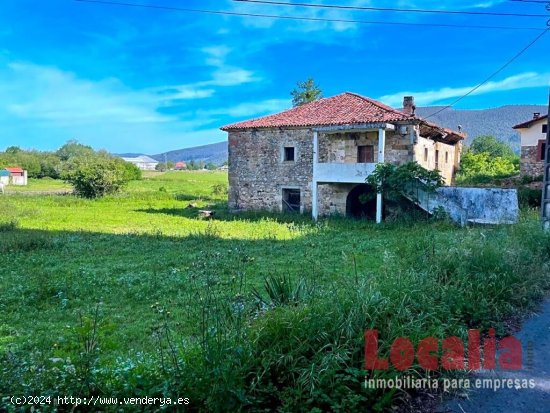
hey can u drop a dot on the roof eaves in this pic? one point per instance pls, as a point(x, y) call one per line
point(529, 122)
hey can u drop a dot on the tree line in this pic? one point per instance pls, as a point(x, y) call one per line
point(92, 173)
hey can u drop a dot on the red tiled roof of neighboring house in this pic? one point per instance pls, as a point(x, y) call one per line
point(530, 122)
point(15, 170)
point(344, 109)
point(180, 165)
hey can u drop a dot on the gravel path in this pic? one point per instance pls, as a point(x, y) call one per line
point(534, 334)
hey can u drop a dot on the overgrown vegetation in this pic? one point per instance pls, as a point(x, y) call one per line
point(254, 312)
point(393, 181)
point(99, 175)
point(486, 160)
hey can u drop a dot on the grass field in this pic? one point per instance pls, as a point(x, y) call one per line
point(135, 294)
point(39, 186)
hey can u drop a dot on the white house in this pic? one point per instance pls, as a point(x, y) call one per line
point(533, 144)
point(143, 162)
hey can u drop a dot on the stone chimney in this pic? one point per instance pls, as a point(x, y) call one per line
point(408, 105)
point(536, 115)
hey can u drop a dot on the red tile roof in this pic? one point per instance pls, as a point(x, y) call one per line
point(15, 170)
point(344, 109)
point(529, 122)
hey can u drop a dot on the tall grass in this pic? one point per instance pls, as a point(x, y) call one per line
point(295, 343)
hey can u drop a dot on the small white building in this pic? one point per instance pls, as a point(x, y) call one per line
point(145, 163)
point(4, 177)
point(533, 144)
point(18, 176)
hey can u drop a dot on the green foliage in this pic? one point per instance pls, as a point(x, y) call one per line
point(529, 197)
point(305, 92)
point(13, 150)
point(478, 168)
point(73, 149)
point(220, 190)
point(487, 160)
point(392, 181)
point(165, 166)
point(133, 173)
point(281, 290)
point(491, 145)
point(99, 175)
point(194, 165)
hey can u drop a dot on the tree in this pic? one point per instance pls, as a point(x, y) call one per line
point(482, 167)
point(486, 160)
point(306, 92)
point(491, 145)
point(97, 175)
point(73, 149)
point(13, 149)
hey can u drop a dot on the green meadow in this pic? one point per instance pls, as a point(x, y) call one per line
point(136, 294)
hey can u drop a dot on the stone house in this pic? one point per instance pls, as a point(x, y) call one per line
point(316, 157)
point(533, 145)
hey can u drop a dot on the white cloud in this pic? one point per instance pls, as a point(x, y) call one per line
point(223, 75)
point(216, 55)
point(424, 98)
point(47, 105)
point(48, 94)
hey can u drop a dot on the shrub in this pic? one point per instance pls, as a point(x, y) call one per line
point(96, 176)
point(394, 181)
point(133, 173)
point(219, 190)
point(529, 198)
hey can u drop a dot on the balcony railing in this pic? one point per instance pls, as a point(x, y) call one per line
point(343, 172)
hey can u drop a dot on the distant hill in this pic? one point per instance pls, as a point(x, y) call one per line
point(215, 153)
point(497, 121)
point(130, 155)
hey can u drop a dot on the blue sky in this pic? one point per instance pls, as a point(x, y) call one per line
point(132, 79)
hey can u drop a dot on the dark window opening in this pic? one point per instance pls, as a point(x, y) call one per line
point(544, 128)
point(425, 154)
point(365, 154)
point(289, 154)
point(446, 157)
point(436, 159)
point(291, 200)
point(541, 151)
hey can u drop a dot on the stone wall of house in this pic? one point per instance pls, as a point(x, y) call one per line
point(530, 165)
point(342, 147)
point(333, 198)
point(258, 172)
point(448, 157)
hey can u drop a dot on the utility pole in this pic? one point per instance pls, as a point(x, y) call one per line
point(545, 206)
